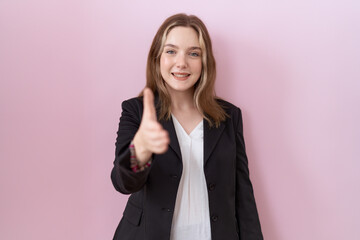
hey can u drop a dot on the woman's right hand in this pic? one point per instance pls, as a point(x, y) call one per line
point(151, 136)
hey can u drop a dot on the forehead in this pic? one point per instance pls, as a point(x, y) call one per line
point(183, 37)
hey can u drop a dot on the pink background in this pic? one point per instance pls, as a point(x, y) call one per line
point(66, 66)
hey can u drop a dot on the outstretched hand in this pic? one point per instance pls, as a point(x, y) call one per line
point(151, 136)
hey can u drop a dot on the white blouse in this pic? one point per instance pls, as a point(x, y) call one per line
point(191, 220)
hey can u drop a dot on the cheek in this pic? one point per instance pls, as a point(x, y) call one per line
point(164, 63)
point(165, 66)
point(162, 66)
point(198, 67)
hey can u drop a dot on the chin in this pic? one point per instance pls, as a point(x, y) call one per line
point(179, 88)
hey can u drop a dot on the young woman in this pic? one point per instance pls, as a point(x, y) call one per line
point(180, 151)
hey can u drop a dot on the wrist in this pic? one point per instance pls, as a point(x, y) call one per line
point(142, 154)
point(135, 164)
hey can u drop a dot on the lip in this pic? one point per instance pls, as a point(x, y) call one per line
point(180, 75)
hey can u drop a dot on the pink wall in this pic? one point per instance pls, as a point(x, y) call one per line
point(66, 66)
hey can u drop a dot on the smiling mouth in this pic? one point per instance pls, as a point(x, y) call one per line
point(180, 75)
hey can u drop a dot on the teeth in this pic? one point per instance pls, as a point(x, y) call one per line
point(181, 75)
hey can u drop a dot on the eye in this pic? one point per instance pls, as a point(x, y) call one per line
point(170, 51)
point(194, 54)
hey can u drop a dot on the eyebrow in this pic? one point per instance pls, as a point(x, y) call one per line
point(174, 46)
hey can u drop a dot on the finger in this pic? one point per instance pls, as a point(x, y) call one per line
point(153, 127)
point(160, 138)
point(157, 136)
point(149, 107)
point(160, 146)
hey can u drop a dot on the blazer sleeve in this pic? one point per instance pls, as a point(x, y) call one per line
point(246, 211)
point(123, 178)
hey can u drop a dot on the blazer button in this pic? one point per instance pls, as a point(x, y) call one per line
point(211, 186)
point(214, 218)
point(166, 209)
point(174, 176)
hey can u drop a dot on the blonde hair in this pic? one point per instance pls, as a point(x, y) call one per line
point(204, 94)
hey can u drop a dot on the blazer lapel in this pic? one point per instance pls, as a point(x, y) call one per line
point(174, 143)
point(168, 125)
point(211, 137)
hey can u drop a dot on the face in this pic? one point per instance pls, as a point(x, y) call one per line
point(180, 61)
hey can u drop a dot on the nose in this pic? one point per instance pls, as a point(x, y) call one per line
point(181, 61)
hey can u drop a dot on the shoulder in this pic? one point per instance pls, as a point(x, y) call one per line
point(135, 102)
point(133, 106)
point(228, 106)
point(233, 112)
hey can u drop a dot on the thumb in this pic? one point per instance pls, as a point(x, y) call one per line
point(149, 107)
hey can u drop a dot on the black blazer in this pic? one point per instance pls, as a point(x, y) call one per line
point(149, 210)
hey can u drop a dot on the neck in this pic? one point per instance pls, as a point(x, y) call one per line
point(182, 100)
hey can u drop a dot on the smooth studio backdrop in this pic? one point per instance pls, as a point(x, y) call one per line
point(66, 66)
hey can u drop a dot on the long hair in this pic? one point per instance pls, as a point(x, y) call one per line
point(204, 92)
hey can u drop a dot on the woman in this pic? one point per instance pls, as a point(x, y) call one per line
point(180, 150)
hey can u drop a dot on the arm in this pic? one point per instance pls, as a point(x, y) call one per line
point(246, 211)
point(123, 178)
point(138, 122)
